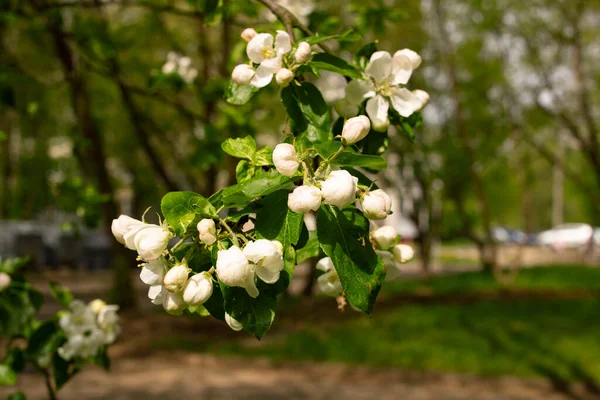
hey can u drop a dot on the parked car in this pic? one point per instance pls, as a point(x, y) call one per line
point(567, 236)
point(506, 235)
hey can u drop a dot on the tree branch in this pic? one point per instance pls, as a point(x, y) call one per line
point(290, 21)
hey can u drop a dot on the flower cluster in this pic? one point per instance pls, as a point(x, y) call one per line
point(88, 328)
point(270, 57)
point(180, 65)
point(383, 85)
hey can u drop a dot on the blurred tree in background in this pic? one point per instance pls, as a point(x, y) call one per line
point(106, 105)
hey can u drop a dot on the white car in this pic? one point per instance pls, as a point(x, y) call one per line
point(567, 236)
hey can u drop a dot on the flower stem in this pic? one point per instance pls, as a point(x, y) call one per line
point(231, 232)
point(328, 160)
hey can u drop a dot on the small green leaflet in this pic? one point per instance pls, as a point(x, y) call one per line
point(181, 208)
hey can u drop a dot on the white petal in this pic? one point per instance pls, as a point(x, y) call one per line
point(272, 64)
point(262, 77)
point(255, 47)
point(415, 59)
point(251, 286)
point(377, 109)
point(283, 43)
point(380, 66)
point(405, 102)
point(358, 90)
point(267, 275)
point(423, 97)
point(402, 69)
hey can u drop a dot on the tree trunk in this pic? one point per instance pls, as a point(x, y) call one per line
point(93, 160)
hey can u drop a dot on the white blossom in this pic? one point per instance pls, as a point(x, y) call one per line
point(233, 269)
point(181, 65)
point(403, 253)
point(176, 278)
point(242, 74)
point(198, 289)
point(97, 305)
point(385, 237)
point(151, 242)
point(339, 189)
point(376, 205)
point(248, 34)
point(356, 129)
point(303, 52)
point(233, 323)
point(387, 75)
point(122, 225)
point(207, 231)
point(266, 52)
point(156, 294)
point(286, 159)
point(304, 199)
point(173, 303)
point(153, 272)
point(283, 77)
point(267, 258)
point(329, 282)
point(4, 281)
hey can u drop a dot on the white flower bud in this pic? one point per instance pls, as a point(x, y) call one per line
point(153, 272)
point(346, 109)
point(4, 281)
point(176, 278)
point(267, 258)
point(151, 242)
point(376, 204)
point(403, 253)
point(233, 323)
point(198, 289)
point(97, 305)
point(356, 129)
point(329, 282)
point(122, 225)
point(392, 270)
point(305, 198)
point(339, 189)
point(156, 294)
point(207, 231)
point(415, 59)
point(385, 237)
point(242, 74)
point(381, 126)
point(233, 269)
point(173, 303)
point(303, 52)
point(283, 77)
point(423, 97)
point(286, 159)
point(248, 34)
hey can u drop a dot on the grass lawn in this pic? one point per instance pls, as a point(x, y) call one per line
point(550, 337)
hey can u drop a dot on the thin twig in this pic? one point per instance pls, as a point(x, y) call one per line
point(48, 380)
point(290, 21)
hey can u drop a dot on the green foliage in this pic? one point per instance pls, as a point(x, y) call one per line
point(180, 209)
point(344, 237)
point(308, 112)
point(61, 294)
point(328, 62)
point(240, 147)
point(239, 94)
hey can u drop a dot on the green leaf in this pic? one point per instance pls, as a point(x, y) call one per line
point(244, 171)
point(329, 62)
point(214, 304)
point(243, 193)
point(255, 315)
point(62, 370)
point(362, 178)
point(181, 208)
point(348, 36)
point(263, 157)
point(61, 294)
point(44, 340)
point(240, 147)
point(344, 237)
point(236, 215)
point(15, 359)
point(308, 112)
point(102, 360)
point(348, 158)
point(363, 55)
point(8, 377)
point(16, 396)
point(239, 94)
point(311, 248)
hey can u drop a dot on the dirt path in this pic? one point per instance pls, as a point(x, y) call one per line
point(205, 377)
